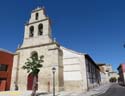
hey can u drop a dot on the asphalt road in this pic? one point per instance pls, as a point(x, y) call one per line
point(115, 90)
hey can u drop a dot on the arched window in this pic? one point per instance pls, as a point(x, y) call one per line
point(40, 29)
point(37, 16)
point(34, 54)
point(31, 31)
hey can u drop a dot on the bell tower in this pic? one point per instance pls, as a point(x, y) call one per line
point(37, 38)
point(37, 29)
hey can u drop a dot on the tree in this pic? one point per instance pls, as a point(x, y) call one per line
point(33, 66)
point(113, 79)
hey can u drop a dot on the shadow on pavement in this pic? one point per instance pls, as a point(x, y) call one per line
point(42, 93)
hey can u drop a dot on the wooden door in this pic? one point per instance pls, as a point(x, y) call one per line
point(30, 82)
point(2, 85)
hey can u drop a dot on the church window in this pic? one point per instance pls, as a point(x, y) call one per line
point(40, 29)
point(37, 15)
point(31, 31)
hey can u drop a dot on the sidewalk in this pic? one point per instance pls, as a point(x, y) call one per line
point(98, 90)
point(93, 92)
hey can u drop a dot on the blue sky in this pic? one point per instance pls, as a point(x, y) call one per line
point(96, 27)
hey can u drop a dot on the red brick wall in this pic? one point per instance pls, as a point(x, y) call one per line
point(123, 67)
point(6, 58)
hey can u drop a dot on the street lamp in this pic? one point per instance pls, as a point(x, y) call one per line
point(53, 70)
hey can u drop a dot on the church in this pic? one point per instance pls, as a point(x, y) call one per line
point(74, 71)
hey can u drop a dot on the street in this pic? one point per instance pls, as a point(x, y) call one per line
point(110, 89)
point(115, 90)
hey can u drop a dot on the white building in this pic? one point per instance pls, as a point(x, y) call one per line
point(106, 72)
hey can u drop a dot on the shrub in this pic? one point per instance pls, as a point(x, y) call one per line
point(113, 79)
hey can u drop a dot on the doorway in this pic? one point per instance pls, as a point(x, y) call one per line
point(2, 84)
point(30, 81)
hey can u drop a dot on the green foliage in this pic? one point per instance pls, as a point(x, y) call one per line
point(33, 64)
point(113, 79)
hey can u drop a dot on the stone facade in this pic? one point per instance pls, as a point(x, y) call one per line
point(74, 70)
point(104, 73)
point(107, 72)
point(71, 67)
point(43, 45)
point(80, 72)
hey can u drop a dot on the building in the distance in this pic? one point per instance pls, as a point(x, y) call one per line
point(74, 71)
point(103, 73)
point(121, 70)
point(114, 74)
point(107, 72)
point(6, 64)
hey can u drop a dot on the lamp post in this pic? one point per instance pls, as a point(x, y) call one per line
point(53, 70)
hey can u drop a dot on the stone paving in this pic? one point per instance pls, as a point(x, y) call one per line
point(93, 92)
point(99, 90)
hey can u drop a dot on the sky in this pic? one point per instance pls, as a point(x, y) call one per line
point(95, 27)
